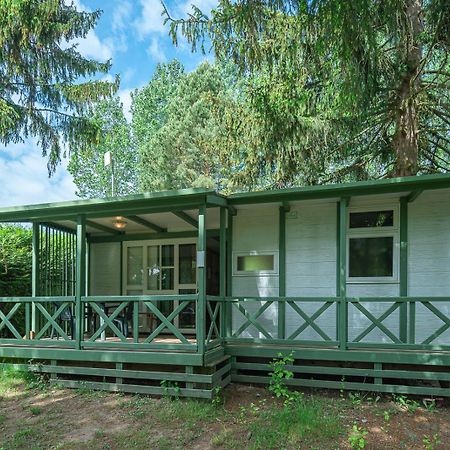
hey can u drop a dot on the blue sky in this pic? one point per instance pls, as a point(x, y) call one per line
point(130, 33)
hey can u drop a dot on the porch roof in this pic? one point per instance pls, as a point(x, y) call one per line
point(149, 202)
point(409, 185)
point(185, 199)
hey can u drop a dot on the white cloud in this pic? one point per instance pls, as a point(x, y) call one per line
point(155, 50)
point(25, 177)
point(121, 15)
point(151, 20)
point(92, 47)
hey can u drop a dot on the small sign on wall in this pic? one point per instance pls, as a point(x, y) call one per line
point(200, 259)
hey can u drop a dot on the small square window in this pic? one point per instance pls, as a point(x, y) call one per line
point(371, 257)
point(372, 219)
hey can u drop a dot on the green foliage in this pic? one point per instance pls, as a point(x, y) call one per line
point(279, 376)
point(217, 398)
point(15, 271)
point(357, 437)
point(405, 403)
point(171, 389)
point(90, 175)
point(293, 426)
point(15, 261)
point(45, 86)
point(336, 90)
point(429, 404)
point(431, 442)
point(177, 123)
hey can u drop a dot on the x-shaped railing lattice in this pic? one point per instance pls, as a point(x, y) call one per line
point(441, 316)
point(377, 322)
point(252, 319)
point(309, 320)
point(52, 321)
point(108, 321)
point(213, 315)
point(6, 320)
point(166, 321)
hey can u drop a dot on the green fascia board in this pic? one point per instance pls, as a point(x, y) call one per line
point(191, 198)
point(373, 187)
point(141, 203)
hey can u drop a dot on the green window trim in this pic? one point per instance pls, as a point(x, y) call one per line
point(365, 236)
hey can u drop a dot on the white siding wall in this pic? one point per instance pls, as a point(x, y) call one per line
point(105, 269)
point(311, 264)
point(429, 259)
point(256, 229)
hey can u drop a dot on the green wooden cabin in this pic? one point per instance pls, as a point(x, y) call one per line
point(190, 290)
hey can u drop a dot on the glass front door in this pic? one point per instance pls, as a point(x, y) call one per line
point(153, 268)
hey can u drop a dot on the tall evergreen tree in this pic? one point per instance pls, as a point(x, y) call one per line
point(361, 85)
point(176, 124)
point(46, 86)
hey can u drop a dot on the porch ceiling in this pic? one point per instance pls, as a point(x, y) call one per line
point(167, 221)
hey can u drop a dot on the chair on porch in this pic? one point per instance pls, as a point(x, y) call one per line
point(66, 316)
point(122, 321)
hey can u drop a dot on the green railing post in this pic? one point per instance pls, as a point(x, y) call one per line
point(201, 265)
point(135, 321)
point(34, 278)
point(342, 274)
point(227, 305)
point(223, 270)
point(80, 284)
point(403, 312)
point(282, 271)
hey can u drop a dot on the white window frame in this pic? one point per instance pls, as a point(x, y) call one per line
point(374, 232)
point(245, 273)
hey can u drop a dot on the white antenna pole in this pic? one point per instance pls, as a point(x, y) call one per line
point(108, 161)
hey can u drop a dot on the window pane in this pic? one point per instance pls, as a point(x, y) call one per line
point(255, 263)
point(187, 263)
point(134, 266)
point(167, 255)
point(154, 270)
point(167, 279)
point(371, 257)
point(371, 219)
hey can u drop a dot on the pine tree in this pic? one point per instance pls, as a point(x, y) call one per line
point(46, 86)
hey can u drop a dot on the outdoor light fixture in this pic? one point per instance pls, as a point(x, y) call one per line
point(119, 222)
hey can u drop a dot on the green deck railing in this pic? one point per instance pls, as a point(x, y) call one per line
point(404, 323)
point(345, 323)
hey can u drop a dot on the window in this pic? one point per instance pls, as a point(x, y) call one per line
point(373, 246)
point(255, 263)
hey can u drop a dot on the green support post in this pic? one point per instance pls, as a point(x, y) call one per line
point(227, 305)
point(201, 263)
point(34, 278)
point(223, 269)
point(342, 274)
point(80, 285)
point(282, 271)
point(403, 311)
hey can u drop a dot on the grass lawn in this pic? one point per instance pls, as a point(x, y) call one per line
point(35, 415)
